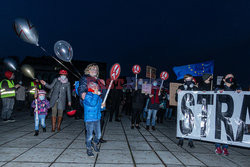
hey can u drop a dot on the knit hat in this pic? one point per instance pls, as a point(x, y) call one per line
point(40, 92)
point(8, 74)
point(206, 76)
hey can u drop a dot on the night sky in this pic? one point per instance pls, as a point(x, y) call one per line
point(160, 33)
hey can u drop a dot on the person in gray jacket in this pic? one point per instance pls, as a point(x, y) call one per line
point(60, 89)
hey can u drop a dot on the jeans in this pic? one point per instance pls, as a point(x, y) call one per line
point(153, 113)
point(168, 113)
point(41, 118)
point(91, 127)
point(8, 105)
point(223, 145)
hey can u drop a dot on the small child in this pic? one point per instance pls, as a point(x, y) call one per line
point(41, 106)
point(92, 116)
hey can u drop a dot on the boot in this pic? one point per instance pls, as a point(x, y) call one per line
point(90, 153)
point(95, 147)
point(59, 121)
point(180, 143)
point(191, 144)
point(53, 120)
point(36, 132)
point(102, 140)
point(153, 127)
point(147, 127)
point(44, 129)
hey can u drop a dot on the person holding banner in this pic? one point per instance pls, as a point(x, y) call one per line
point(91, 74)
point(206, 85)
point(138, 101)
point(60, 90)
point(188, 85)
point(227, 84)
point(153, 105)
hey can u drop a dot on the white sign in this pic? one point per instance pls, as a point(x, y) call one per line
point(216, 117)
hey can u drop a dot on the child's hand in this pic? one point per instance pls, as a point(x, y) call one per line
point(35, 102)
point(43, 105)
point(103, 105)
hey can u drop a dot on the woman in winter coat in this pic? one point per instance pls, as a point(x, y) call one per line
point(60, 90)
point(153, 105)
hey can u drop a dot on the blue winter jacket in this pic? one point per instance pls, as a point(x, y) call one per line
point(92, 107)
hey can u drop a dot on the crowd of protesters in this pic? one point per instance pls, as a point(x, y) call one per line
point(87, 99)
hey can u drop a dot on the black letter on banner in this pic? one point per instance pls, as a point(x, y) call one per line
point(243, 127)
point(188, 114)
point(204, 100)
point(224, 116)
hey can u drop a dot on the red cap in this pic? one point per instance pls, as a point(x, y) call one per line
point(8, 74)
point(63, 72)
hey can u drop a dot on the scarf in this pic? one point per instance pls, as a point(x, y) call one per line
point(63, 81)
point(155, 98)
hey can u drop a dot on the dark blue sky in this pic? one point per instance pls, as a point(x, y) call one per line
point(160, 33)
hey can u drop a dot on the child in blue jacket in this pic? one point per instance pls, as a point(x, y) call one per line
point(92, 116)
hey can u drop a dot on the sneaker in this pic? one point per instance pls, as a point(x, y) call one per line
point(95, 147)
point(132, 127)
point(191, 144)
point(90, 153)
point(153, 127)
point(218, 151)
point(102, 140)
point(11, 120)
point(225, 152)
point(44, 129)
point(147, 127)
point(180, 143)
point(36, 133)
point(5, 120)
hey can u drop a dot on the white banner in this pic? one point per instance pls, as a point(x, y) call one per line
point(215, 117)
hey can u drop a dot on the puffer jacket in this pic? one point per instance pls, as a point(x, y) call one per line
point(92, 107)
point(42, 105)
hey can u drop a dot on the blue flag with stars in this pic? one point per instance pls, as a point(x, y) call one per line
point(194, 69)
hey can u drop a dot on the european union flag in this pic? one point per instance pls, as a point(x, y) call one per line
point(194, 69)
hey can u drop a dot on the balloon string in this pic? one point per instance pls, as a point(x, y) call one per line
point(76, 69)
point(60, 62)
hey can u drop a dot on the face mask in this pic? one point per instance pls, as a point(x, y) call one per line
point(63, 77)
point(41, 98)
point(140, 83)
point(154, 83)
point(230, 80)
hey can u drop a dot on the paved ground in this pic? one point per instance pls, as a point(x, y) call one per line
point(125, 147)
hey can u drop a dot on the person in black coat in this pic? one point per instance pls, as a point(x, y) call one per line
point(228, 84)
point(138, 102)
point(116, 95)
point(188, 85)
point(205, 85)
